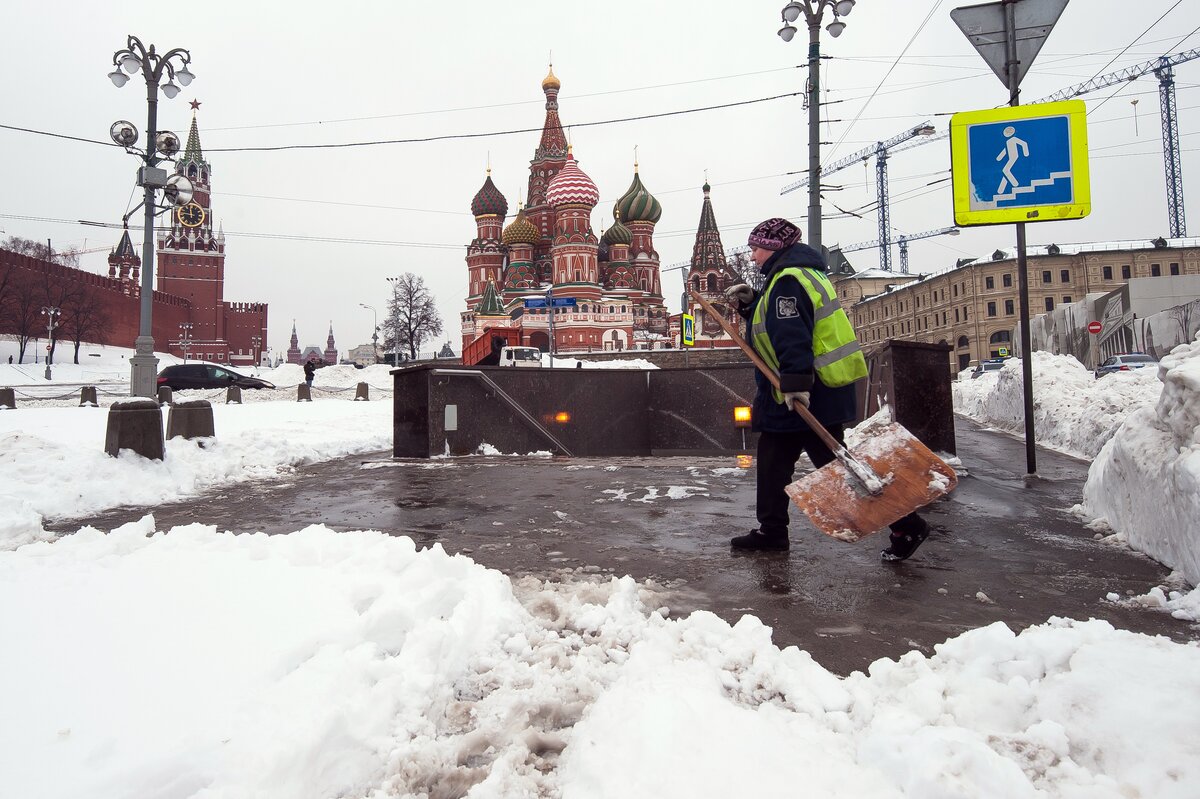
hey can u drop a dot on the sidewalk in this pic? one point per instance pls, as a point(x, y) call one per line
point(1000, 551)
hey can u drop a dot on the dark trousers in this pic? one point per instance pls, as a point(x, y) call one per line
point(777, 456)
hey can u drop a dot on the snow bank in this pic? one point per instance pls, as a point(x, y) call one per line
point(1073, 411)
point(322, 664)
point(1145, 483)
point(378, 376)
point(573, 363)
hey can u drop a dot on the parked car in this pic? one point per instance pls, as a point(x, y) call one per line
point(1125, 362)
point(994, 365)
point(206, 375)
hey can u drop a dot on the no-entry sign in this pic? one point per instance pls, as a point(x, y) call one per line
point(1095, 327)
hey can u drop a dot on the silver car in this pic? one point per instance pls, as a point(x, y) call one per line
point(1125, 362)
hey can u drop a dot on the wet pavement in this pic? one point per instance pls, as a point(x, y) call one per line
point(1003, 549)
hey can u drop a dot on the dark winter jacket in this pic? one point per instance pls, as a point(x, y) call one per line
point(792, 339)
point(309, 370)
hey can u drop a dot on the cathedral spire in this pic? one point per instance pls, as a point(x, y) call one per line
point(554, 142)
point(708, 255)
point(193, 151)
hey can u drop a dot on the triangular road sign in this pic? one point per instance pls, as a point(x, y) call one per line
point(984, 27)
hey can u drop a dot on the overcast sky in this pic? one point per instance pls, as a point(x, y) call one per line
point(274, 73)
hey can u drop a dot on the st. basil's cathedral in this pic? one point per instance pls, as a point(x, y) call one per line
point(614, 279)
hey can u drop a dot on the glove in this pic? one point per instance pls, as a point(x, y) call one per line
point(740, 292)
point(791, 399)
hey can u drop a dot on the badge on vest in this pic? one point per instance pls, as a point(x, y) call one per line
point(785, 308)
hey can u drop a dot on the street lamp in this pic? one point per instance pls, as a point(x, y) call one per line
point(185, 339)
point(813, 11)
point(177, 190)
point(374, 331)
point(51, 313)
point(255, 343)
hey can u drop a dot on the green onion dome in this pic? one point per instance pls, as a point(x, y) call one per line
point(637, 204)
point(618, 234)
point(489, 201)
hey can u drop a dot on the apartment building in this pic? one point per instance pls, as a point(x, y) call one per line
point(974, 306)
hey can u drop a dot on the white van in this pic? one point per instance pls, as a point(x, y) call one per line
point(521, 357)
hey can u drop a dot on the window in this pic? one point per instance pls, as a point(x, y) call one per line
point(1045, 275)
point(1174, 269)
point(1049, 303)
point(1066, 299)
point(712, 283)
point(991, 309)
point(955, 289)
point(1125, 272)
point(578, 276)
point(1108, 273)
point(963, 341)
point(1064, 276)
point(989, 283)
point(956, 319)
point(1001, 337)
point(1007, 281)
point(965, 317)
point(1008, 307)
point(1155, 270)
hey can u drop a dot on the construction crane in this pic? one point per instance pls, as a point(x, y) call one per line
point(913, 137)
point(903, 239)
point(1163, 69)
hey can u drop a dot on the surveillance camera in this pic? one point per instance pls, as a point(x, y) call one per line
point(123, 133)
point(166, 143)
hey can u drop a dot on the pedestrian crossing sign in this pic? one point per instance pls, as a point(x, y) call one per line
point(689, 330)
point(1020, 164)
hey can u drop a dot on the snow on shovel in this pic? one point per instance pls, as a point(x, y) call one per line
point(890, 475)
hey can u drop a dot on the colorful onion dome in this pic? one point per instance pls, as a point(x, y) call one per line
point(571, 186)
point(550, 81)
point(520, 275)
point(521, 231)
point(488, 200)
point(618, 233)
point(637, 204)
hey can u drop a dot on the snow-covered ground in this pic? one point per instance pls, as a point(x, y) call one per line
point(196, 663)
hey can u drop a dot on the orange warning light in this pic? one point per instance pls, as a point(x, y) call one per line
point(745, 461)
point(741, 416)
point(562, 417)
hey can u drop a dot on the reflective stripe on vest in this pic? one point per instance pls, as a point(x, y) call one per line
point(837, 357)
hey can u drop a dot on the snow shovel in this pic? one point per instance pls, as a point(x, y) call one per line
point(891, 474)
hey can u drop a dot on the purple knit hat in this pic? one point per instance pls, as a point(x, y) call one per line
point(774, 234)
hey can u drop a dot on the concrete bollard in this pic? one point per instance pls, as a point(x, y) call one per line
point(164, 395)
point(303, 393)
point(191, 419)
point(87, 396)
point(362, 393)
point(233, 394)
point(8, 400)
point(135, 424)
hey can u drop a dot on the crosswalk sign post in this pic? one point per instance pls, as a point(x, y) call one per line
point(689, 330)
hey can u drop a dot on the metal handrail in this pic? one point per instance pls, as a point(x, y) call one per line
point(512, 403)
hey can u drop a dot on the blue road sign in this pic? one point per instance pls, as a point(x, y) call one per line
point(562, 302)
point(1020, 164)
point(536, 302)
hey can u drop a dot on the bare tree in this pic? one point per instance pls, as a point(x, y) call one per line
point(85, 319)
point(64, 295)
point(412, 315)
point(24, 313)
point(747, 270)
point(44, 252)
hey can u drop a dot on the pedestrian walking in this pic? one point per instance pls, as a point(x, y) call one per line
point(310, 370)
point(797, 326)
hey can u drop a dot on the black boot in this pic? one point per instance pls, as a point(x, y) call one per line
point(758, 540)
point(905, 539)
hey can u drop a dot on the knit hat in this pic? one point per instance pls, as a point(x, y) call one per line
point(774, 234)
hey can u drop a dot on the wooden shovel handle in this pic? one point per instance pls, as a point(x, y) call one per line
point(768, 372)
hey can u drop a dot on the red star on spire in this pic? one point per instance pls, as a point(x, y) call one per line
point(195, 104)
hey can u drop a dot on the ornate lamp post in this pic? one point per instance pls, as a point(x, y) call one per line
point(813, 11)
point(177, 190)
point(51, 313)
point(374, 331)
point(255, 346)
point(185, 340)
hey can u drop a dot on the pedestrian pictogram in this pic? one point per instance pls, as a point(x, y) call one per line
point(689, 330)
point(1020, 164)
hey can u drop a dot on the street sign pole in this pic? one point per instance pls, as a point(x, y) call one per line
point(1014, 99)
point(550, 310)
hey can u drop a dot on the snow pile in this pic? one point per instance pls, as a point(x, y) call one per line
point(573, 363)
point(323, 664)
point(53, 464)
point(1073, 411)
point(1145, 483)
point(378, 376)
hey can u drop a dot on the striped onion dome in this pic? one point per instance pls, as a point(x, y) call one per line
point(572, 187)
point(521, 231)
point(489, 201)
point(618, 234)
point(637, 204)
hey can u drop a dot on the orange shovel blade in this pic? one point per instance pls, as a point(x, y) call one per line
point(835, 501)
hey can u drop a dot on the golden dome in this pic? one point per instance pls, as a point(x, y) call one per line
point(550, 81)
